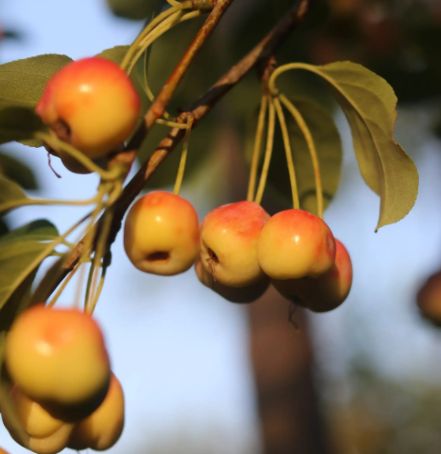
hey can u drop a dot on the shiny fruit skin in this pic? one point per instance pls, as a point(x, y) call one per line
point(92, 104)
point(104, 426)
point(229, 236)
point(57, 356)
point(294, 244)
point(246, 294)
point(325, 292)
point(161, 233)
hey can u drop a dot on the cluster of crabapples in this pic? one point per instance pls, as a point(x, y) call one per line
point(238, 249)
point(63, 389)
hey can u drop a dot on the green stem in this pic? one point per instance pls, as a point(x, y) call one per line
point(100, 250)
point(150, 26)
point(30, 201)
point(267, 154)
point(183, 160)
point(298, 118)
point(258, 138)
point(288, 154)
point(178, 18)
point(56, 144)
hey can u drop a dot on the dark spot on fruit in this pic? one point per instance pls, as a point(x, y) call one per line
point(158, 256)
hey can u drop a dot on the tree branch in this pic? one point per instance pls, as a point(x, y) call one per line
point(262, 51)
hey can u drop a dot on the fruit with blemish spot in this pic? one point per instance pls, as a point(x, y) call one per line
point(161, 233)
point(229, 236)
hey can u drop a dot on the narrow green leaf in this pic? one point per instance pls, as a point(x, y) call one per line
point(369, 104)
point(17, 171)
point(10, 190)
point(21, 252)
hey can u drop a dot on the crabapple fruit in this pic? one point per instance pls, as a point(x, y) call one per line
point(245, 294)
point(325, 292)
point(58, 357)
point(44, 434)
point(92, 104)
point(103, 427)
point(294, 244)
point(429, 299)
point(229, 236)
point(161, 233)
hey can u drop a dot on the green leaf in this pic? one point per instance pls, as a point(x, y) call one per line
point(22, 81)
point(21, 252)
point(19, 124)
point(369, 104)
point(17, 171)
point(116, 54)
point(329, 150)
point(132, 9)
point(10, 190)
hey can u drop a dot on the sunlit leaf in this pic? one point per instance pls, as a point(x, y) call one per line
point(369, 104)
point(132, 9)
point(10, 190)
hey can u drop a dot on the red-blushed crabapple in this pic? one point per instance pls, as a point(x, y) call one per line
point(58, 357)
point(245, 294)
point(294, 244)
point(103, 427)
point(229, 235)
point(325, 292)
point(44, 434)
point(92, 104)
point(161, 233)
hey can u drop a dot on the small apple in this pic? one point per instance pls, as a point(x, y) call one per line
point(58, 357)
point(229, 237)
point(103, 427)
point(92, 104)
point(245, 294)
point(44, 433)
point(294, 244)
point(429, 299)
point(325, 292)
point(36, 420)
point(161, 233)
point(2, 451)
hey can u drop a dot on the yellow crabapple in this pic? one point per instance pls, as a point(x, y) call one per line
point(161, 233)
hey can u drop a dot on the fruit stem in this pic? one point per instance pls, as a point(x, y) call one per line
point(11, 204)
point(149, 27)
point(258, 138)
point(93, 288)
point(63, 285)
point(298, 118)
point(288, 153)
point(183, 160)
point(57, 144)
point(267, 154)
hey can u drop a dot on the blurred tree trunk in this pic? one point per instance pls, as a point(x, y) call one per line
point(283, 362)
point(281, 351)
